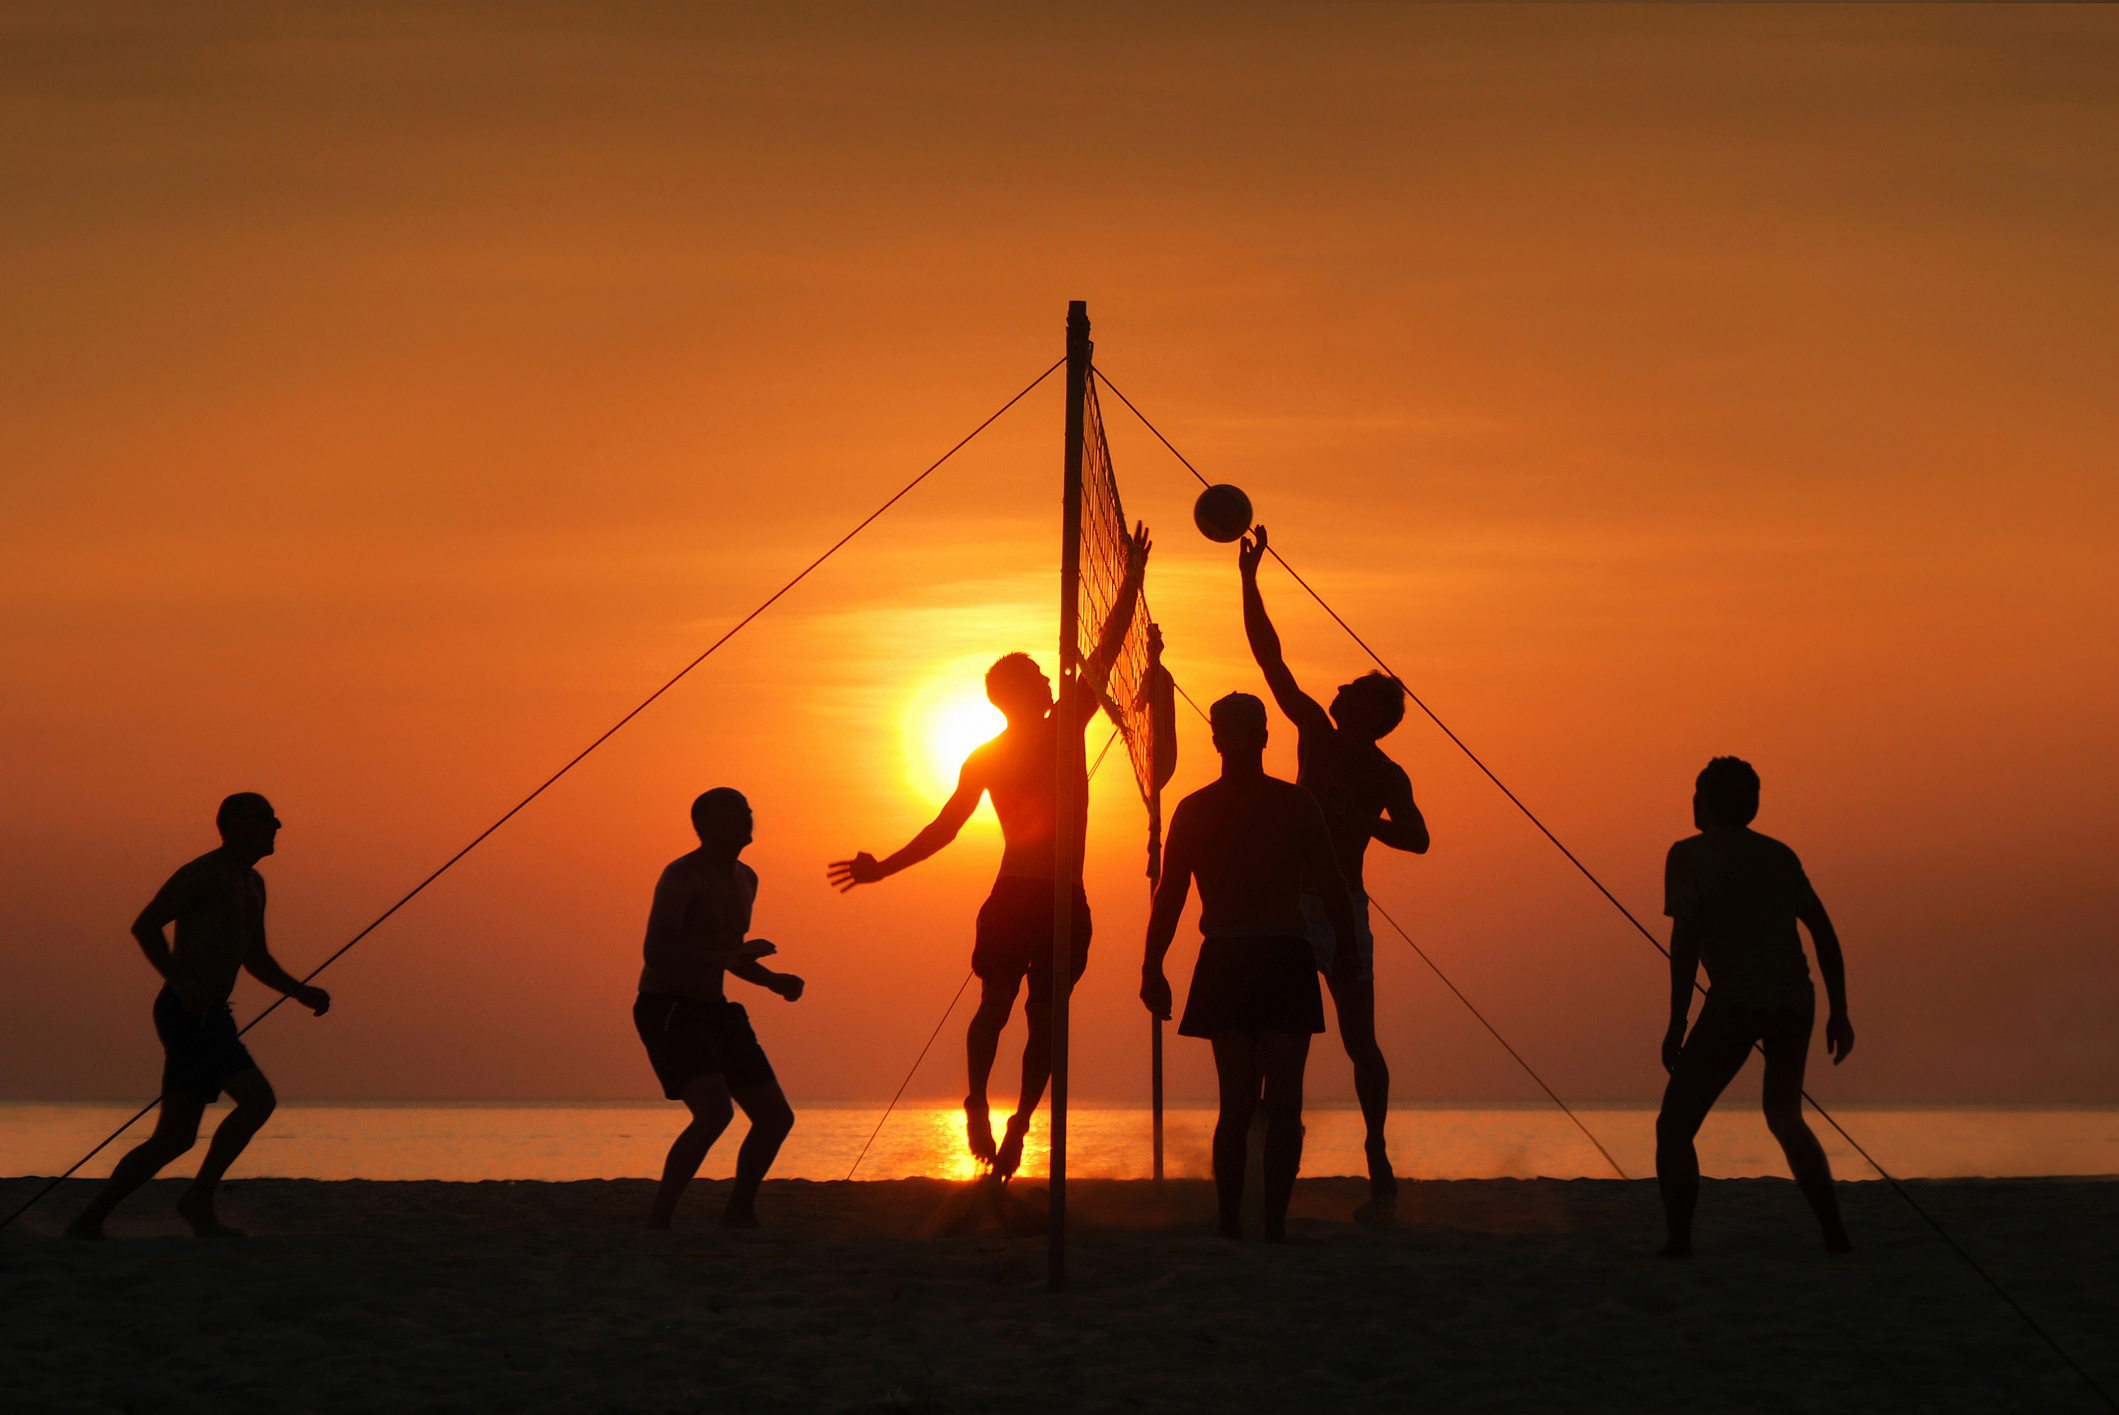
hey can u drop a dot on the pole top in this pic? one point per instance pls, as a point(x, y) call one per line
point(1077, 319)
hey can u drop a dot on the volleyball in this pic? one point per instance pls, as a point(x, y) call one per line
point(1222, 513)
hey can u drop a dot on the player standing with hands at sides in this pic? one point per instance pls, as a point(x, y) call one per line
point(1254, 843)
point(1014, 938)
point(1734, 897)
point(701, 1044)
point(1365, 796)
point(217, 903)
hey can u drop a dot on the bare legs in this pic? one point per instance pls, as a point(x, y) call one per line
point(981, 1043)
point(712, 1107)
point(1714, 1052)
point(175, 1132)
point(1267, 1068)
point(1355, 1004)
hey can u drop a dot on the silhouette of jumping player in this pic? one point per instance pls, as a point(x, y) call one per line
point(1014, 937)
point(1254, 843)
point(217, 903)
point(1365, 796)
point(1734, 897)
point(701, 1044)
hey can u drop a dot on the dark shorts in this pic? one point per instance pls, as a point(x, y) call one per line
point(1015, 937)
point(687, 1039)
point(1723, 1034)
point(1253, 985)
point(198, 1052)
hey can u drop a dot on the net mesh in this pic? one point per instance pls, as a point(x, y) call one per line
point(1105, 544)
point(1135, 693)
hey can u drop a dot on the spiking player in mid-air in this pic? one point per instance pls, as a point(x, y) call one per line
point(1014, 939)
point(1365, 796)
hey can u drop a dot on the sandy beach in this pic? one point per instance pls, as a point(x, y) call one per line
point(1488, 1295)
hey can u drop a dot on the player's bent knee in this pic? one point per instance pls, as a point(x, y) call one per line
point(1679, 1129)
point(1786, 1123)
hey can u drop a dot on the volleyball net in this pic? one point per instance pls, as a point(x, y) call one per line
point(1136, 693)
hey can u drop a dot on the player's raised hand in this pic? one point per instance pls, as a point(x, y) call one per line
point(315, 999)
point(843, 875)
point(1137, 548)
point(1251, 550)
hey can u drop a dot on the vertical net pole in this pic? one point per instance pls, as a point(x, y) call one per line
point(1155, 1035)
point(1069, 773)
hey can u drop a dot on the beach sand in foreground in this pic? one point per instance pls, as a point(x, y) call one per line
point(1488, 1295)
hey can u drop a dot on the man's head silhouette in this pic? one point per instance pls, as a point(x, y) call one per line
point(247, 824)
point(1018, 687)
point(722, 817)
point(1726, 794)
point(1371, 706)
point(1239, 722)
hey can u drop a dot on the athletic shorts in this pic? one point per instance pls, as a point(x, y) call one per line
point(1325, 946)
point(199, 1052)
point(1015, 937)
point(1253, 985)
point(687, 1039)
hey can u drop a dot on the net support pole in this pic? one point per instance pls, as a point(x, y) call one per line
point(1155, 1024)
point(1068, 783)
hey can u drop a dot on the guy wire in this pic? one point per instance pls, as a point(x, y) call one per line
point(900, 495)
point(1529, 815)
point(915, 1064)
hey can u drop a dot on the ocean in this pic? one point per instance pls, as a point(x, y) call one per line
point(475, 1140)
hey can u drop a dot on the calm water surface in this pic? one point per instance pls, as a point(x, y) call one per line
point(468, 1140)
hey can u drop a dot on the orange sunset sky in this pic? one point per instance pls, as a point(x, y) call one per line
point(390, 397)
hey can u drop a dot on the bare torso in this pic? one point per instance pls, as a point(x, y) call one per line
point(219, 910)
point(1353, 782)
point(1017, 769)
point(1247, 841)
point(701, 913)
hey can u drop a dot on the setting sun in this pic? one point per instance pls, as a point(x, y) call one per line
point(944, 721)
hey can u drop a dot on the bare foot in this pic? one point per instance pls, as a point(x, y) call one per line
point(1674, 1249)
point(1382, 1183)
point(199, 1214)
point(1837, 1243)
point(978, 1130)
point(83, 1230)
point(733, 1217)
point(1009, 1158)
point(1377, 1211)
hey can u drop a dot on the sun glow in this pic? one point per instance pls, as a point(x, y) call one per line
point(944, 721)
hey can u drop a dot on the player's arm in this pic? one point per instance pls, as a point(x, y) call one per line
point(742, 960)
point(260, 964)
point(1301, 708)
point(751, 971)
point(1832, 966)
point(666, 949)
point(1401, 826)
point(1097, 671)
point(1684, 968)
point(1320, 867)
point(184, 889)
point(1171, 891)
point(865, 868)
